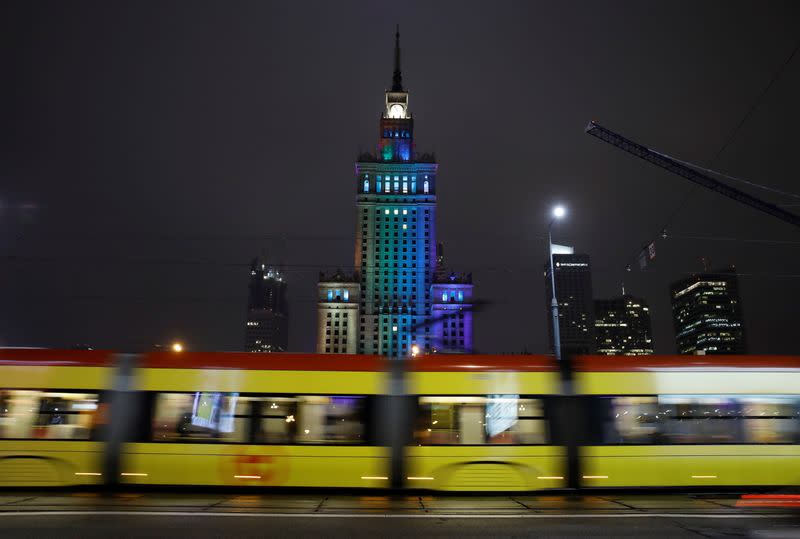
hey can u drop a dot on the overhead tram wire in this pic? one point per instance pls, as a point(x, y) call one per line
point(306, 237)
point(729, 139)
point(764, 241)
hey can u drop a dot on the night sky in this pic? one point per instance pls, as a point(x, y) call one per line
point(149, 150)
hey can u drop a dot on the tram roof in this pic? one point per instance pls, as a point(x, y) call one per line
point(278, 361)
point(482, 363)
point(47, 357)
point(595, 363)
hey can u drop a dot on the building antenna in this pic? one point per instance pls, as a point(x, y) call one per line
point(623, 288)
point(397, 79)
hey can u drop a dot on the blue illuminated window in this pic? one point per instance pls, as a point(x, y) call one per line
point(444, 296)
point(346, 295)
point(330, 295)
point(338, 294)
point(405, 184)
point(425, 186)
point(378, 185)
point(366, 186)
point(388, 185)
point(452, 295)
point(460, 295)
point(396, 184)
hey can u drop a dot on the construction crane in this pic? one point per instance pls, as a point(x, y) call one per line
point(689, 173)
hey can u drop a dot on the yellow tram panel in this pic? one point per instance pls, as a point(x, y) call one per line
point(690, 465)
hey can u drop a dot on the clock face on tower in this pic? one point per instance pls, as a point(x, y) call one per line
point(397, 111)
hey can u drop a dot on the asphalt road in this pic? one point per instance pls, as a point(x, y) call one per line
point(201, 515)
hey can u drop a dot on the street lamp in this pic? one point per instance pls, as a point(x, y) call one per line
point(177, 347)
point(414, 350)
point(559, 212)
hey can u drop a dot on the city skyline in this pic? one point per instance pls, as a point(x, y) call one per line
point(134, 204)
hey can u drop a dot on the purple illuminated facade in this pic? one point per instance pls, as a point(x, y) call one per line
point(395, 254)
point(452, 313)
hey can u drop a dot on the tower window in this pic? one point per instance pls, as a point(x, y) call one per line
point(366, 186)
point(425, 187)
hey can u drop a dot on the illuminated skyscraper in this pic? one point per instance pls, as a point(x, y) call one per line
point(395, 255)
point(267, 328)
point(573, 276)
point(622, 326)
point(396, 233)
point(707, 314)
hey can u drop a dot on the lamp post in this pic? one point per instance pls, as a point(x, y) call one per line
point(558, 212)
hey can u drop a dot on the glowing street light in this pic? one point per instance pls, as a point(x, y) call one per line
point(177, 347)
point(414, 350)
point(559, 212)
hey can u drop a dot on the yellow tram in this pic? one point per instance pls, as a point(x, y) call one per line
point(246, 419)
point(443, 422)
point(481, 423)
point(53, 409)
point(690, 421)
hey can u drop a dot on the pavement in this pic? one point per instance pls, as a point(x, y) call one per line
point(206, 514)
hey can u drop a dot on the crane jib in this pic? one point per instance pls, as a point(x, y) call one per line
point(689, 173)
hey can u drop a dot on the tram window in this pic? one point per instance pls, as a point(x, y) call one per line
point(312, 419)
point(278, 420)
point(52, 415)
point(702, 419)
point(200, 416)
point(771, 420)
point(491, 419)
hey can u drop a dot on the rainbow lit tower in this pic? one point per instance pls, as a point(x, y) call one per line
point(398, 296)
point(395, 251)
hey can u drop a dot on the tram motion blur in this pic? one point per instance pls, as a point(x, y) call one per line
point(443, 422)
